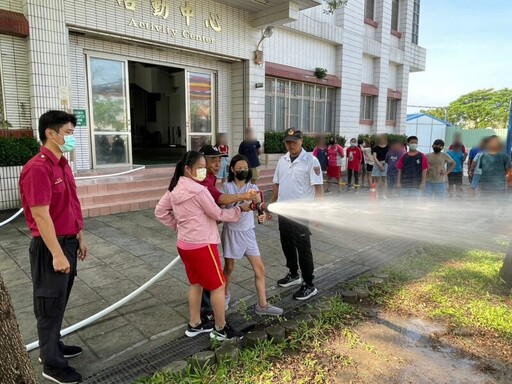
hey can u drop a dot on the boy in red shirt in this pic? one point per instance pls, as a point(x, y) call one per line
point(354, 159)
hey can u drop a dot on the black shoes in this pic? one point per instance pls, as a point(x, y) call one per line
point(305, 292)
point(289, 280)
point(66, 375)
point(199, 329)
point(69, 351)
point(225, 333)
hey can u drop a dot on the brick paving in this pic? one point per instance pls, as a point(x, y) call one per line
point(127, 249)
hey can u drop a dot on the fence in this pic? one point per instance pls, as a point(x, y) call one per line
point(472, 137)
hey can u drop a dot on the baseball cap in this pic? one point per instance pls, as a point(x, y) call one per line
point(292, 134)
point(211, 151)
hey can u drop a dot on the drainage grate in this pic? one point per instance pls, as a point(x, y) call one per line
point(329, 281)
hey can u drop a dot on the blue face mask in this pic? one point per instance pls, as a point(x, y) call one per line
point(69, 143)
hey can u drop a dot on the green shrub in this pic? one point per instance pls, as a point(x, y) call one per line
point(274, 142)
point(17, 150)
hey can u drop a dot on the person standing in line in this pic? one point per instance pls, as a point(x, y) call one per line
point(396, 151)
point(335, 155)
point(54, 216)
point(494, 164)
point(380, 169)
point(354, 158)
point(188, 208)
point(472, 155)
point(412, 170)
point(251, 148)
point(368, 160)
point(222, 146)
point(455, 177)
point(457, 140)
point(213, 163)
point(298, 176)
point(440, 165)
point(360, 144)
point(320, 152)
point(239, 238)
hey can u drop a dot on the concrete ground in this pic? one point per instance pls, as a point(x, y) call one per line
point(128, 249)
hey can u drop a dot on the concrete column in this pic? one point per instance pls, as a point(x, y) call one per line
point(255, 107)
point(403, 87)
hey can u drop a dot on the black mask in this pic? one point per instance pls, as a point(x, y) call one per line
point(242, 175)
point(437, 149)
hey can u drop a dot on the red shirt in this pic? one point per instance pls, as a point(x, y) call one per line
point(46, 180)
point(357, 156)
point(224, 149)
point(209, 182)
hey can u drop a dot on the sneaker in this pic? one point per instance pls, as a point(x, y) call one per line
point(225, 333)
point(270, 310)
point(69, 352)
point(228, 299)
point(289, 280)
point(305, 292)
point(197, 330)
point(66, 375)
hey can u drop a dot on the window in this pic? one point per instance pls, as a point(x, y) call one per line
point(2, 110)
point(392, 110)
point(395, 11)
point(416, 22)
point(367, 103)
point(304, 106)
point(369, 9)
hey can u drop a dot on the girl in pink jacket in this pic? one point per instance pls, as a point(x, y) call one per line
point(189, 209)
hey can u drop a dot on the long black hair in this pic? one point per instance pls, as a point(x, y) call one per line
point(189, 159)
point(234, 160)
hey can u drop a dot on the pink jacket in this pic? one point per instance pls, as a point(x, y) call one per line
point(191, 210)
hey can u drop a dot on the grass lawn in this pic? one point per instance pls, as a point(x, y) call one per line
point(455, 288)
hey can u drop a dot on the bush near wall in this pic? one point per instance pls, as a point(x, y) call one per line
point(274, 142)
point(391, 137)
point(17, 150)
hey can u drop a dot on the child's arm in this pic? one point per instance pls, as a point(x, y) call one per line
point(424, 169)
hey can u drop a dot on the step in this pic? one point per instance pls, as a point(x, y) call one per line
point(113, 208)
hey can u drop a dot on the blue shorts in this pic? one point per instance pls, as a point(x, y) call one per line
point(224, 168)
point(392, 181)
point(435, 190)
point(376, 172)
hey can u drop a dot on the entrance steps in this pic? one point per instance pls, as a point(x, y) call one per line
point(135, 191)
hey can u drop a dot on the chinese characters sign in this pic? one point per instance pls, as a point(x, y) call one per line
point(162, 9)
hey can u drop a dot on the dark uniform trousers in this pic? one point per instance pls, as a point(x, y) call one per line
point(296, 240)
point(51, 294)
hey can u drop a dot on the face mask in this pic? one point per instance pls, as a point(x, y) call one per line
point(242, 175)
point(353, 145)
point(200, 174)
point(413, 147)
point(69, 143)
point(437, 149)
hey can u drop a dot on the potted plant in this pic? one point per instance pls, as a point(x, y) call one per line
point(320, 73)
point(14, 153)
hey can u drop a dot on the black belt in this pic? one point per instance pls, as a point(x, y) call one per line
point(71, 237)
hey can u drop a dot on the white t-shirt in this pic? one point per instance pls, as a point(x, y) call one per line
point(246, 221)
point(297, 180)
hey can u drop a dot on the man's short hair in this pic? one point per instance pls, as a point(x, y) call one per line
point(438, 142)
point(54, 120)
point(411, 138)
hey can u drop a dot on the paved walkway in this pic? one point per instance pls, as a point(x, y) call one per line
point(128, 249)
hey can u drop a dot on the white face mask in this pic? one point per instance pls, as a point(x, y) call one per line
point(413, 147)
point(200, 174)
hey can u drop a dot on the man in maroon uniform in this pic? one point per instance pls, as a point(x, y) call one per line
point(53, 215)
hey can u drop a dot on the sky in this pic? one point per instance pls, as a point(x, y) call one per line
point(469, 47)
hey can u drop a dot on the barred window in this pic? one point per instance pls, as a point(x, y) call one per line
point(367, 106)
point(392, 109)
point(369, 9)
point(304, 106)
point(395, 15)
point(416, 22)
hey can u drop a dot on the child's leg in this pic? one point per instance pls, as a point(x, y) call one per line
point(194, 304)
point(229, 266)
point(356, 178)
point(349, 177)
point(218, 299)
point(259, 279)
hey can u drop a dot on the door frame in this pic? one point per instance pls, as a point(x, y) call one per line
point(93, 134)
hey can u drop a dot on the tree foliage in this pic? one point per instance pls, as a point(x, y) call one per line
point(332, 5)
point(483, 108)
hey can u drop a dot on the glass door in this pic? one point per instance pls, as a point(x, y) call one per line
point(200, 109)
point(108, 107)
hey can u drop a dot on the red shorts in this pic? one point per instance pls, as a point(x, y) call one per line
point(203, 267)
point(334, 172)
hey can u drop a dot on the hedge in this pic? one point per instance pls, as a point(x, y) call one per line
point(274, 142)
point(17, 150)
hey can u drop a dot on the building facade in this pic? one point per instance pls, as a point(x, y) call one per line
point(149, 79)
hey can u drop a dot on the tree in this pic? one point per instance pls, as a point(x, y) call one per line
point(332, 5)
point(15, 366)
point(484, 108)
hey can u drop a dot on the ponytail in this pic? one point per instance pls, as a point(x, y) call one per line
point(189, 159)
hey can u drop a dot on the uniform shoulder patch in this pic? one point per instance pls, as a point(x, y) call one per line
point(317, 170)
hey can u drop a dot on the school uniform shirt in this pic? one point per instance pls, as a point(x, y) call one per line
point(458, 157)
point(333, 151)
point(224, 149)
point(297, 180)
point(356, 155)
point(437, 163)
point(250, 150)
point(392, 160)
point(209, 183)
point(494, 170)
point(246, 221)
point(48, 180)
point(412, 168)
